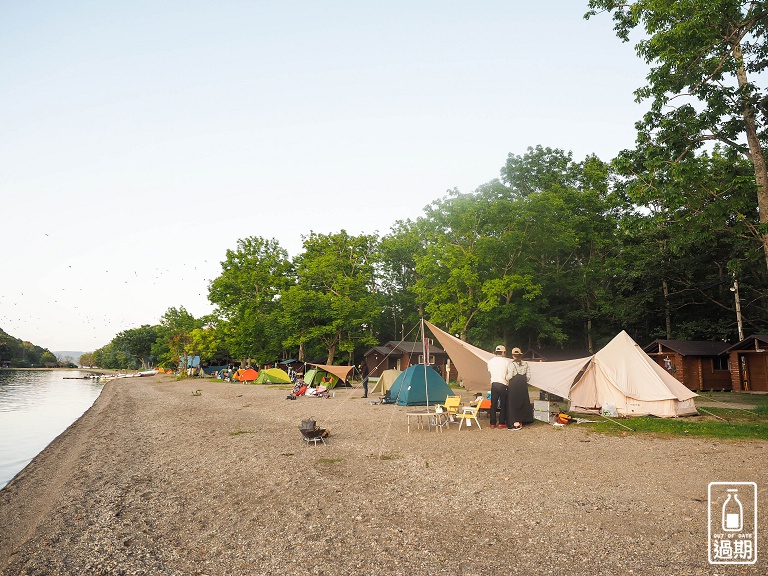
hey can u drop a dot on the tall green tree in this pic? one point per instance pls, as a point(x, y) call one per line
point(174, 343)
point(247, 296)
point(137, 343)
point(401, 307)
point(334, 300)
point(705, 56)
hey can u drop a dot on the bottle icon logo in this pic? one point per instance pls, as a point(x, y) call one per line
point(732, 519)
point(733, 512)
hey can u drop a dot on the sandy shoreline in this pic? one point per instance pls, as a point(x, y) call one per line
point(153, 480)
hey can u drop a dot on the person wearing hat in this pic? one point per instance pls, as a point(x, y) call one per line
point(500, 370)
point(519, 410)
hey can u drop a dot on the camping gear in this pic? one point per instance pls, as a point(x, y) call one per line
point(310, 432)
point(419, 385)
point(273, 376)
point(564, 418)
point(248, 375)
point(384, 382)
point(620, 374)
point(329, 375)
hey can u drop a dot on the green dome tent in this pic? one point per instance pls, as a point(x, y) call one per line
point(273, 376)
point(417, 384)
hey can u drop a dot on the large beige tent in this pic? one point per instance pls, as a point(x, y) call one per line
point(621, 374)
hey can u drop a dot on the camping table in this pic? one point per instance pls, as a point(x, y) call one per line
point(441, 419)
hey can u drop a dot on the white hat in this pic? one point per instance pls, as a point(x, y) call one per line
point(517, 351)
point(501, 349)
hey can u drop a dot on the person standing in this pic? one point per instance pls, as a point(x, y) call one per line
point(364, 374)
point(519, 410)
point(499, 367)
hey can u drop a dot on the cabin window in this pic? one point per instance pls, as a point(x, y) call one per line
point(720, 363)
point(431, 359)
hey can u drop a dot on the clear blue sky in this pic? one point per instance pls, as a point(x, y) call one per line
point(142, 139)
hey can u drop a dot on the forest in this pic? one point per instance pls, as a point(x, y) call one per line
point(666, 240)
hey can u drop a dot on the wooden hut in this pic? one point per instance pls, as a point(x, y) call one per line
point(748, 360)
point(699, 364)
point(400, 355)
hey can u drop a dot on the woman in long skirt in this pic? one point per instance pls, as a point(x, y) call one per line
point(519, 409)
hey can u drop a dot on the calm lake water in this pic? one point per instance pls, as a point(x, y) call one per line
point(35, 407)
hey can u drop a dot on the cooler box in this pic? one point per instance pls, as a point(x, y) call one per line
point(547, 411)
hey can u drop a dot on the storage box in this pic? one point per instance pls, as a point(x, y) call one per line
point(547, 411)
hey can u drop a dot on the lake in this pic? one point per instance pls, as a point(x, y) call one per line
point(35, 407)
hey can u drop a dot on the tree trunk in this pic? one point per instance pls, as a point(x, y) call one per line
point(667, 315)
point(755, 149)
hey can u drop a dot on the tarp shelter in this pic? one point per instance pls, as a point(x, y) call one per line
point(248, 375)
point(419, 385)
point(209, 370)
point(334, 374)
point(273, 376)
point(620, 374)
point(384, 382)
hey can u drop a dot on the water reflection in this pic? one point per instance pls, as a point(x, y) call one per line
point(35, 407)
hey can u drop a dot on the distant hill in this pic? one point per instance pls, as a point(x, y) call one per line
point(74, 355)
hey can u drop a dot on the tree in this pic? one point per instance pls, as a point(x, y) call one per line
point(137, 343)
point(704, 55)
point(397, 277)
point(247, 295)
point(334, 300)
point(174, 344)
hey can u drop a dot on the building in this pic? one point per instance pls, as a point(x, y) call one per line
point(400, 355)
point(700, 365)
point(748, 361)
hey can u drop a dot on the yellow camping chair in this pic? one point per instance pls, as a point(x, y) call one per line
point(452, 406)
point(469, 413)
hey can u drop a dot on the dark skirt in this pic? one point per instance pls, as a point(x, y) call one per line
point(519, 408)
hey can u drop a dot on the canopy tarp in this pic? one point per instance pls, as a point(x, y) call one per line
point(621, 374)
point(472, 365)
point(341, 372)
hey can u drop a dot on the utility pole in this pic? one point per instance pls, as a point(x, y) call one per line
point(735, 290)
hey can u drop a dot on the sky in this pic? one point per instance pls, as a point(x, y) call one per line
point(142, 139)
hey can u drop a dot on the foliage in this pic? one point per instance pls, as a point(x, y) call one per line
point(247, 296)
point(704, 57)
point(334, 299)
point(21, 354)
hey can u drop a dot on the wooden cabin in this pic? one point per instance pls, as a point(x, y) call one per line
point(400, 355)
point(699, 364)
point(748, 360)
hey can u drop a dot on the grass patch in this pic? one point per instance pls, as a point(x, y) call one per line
point(330, 460)
point(389, 456)
point(241, 431)
point(716, 420)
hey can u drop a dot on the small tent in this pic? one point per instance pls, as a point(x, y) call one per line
point(248, 375)
point(273, 376)
point(621, 374)
point(419, 385)
point(384, 382)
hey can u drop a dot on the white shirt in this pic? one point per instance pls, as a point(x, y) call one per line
point(500, 369)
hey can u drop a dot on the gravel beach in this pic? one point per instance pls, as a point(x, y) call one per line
point(156, 480)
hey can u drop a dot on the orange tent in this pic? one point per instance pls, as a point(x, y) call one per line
point(248, 375)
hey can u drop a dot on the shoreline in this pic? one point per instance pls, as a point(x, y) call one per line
point(154, 480)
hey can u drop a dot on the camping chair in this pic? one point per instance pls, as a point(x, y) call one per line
point(451, 406)
point(469, 413)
